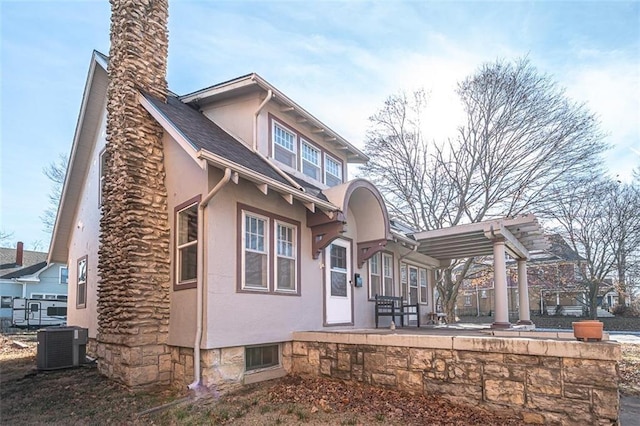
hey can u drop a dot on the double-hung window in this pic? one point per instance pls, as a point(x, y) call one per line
point(256, 253)
point(423, 286)
point(64, 275)
point(81, 283)
point(285, 257)
point(414, 284)
point(187, 245)
point(332, 171)
point(310, 161)
point(284, 145)
point(295, 150)
point(374, 276)
point(387, 272)
point(381, 275)
point(102, 172)
point(269, 252)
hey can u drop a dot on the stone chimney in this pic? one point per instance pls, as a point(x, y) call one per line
point(133, 258)
point(19, 253)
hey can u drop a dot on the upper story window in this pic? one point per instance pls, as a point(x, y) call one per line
point(269, 254)
point(311, 161)
point(332, 171)
point(296, 151)
point(187, 244)
point(284, 145)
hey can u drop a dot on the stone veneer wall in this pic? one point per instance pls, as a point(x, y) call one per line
point(543, 381)
point(133, 259)
point(222, 369)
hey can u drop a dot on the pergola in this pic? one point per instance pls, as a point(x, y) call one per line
point(516, 236)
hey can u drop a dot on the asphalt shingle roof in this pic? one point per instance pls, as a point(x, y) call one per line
point(205, 134)
point(29, 258)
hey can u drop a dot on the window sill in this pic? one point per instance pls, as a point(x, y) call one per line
point(255, 376)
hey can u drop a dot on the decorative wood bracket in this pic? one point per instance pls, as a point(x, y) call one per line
point(324, 230)
point(323, 235)
point(369, 248)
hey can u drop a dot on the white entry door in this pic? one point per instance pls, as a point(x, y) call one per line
point(337, 260)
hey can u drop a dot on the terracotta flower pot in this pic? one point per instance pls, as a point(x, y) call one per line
point(588, 330)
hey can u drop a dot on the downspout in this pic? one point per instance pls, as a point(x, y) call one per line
point(200, 275)
point(254, 146)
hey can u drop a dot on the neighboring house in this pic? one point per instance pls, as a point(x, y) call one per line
point(25, 273)
point(553, 275)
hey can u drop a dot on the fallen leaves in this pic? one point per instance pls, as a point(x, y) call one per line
point(392, 406)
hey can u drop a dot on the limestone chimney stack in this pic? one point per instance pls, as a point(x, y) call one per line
point(133, 259)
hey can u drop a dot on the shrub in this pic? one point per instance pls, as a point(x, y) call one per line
point(627, 311)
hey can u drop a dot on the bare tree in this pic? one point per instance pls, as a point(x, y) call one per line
point(625, 233)
point(584, 219)
point(5, 237)
point(521, 147)
point(55, 171)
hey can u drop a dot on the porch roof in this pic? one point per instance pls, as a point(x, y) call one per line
point(521, 235)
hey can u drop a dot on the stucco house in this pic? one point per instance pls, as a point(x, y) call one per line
point(202, 230)
point(25, 273)
point(262, 220)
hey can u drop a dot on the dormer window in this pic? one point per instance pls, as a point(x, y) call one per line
point(311, 161)
point(284, 145)
point(332, 171)
point(304, 157)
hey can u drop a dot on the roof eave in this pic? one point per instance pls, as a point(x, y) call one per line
point(58, 247)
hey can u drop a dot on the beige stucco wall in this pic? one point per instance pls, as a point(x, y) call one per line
point(233, 318)
point(84, 241)
point(185, 179)
point(235, 115)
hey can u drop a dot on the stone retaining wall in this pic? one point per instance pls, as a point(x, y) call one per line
point(543, 381)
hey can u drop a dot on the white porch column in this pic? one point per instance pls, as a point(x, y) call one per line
point(523, 293)
point(500, 285)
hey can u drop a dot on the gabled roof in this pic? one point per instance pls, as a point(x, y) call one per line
point(26, 271)
point(559, 250)
point(252, 82)
point(30, 259)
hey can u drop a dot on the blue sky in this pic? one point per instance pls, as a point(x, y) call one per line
point(337, 59)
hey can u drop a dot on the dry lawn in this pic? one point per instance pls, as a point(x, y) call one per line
point(82, 396)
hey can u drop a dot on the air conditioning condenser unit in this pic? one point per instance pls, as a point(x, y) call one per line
point(61, 347)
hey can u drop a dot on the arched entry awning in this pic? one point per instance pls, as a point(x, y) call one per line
point(360, 203)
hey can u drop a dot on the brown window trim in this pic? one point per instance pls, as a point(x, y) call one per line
point(299, 137)
point(86, 281)
point(417, 266)
point(371, 297)
point(271, 285)
point(191, 283)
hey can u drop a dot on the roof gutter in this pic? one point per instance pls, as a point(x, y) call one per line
point(228, 175)
point(254, 145)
